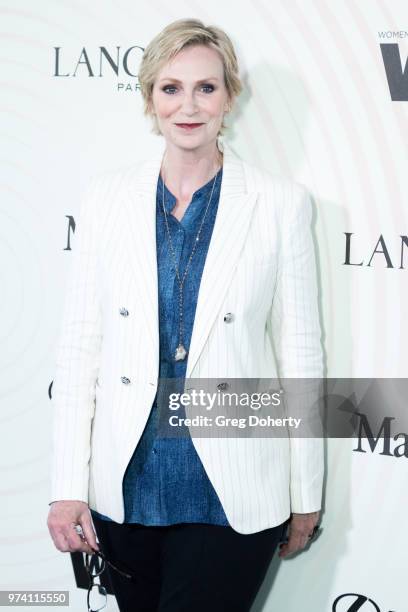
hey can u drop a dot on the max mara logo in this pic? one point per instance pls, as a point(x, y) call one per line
point(391, 445)
point(71, 228)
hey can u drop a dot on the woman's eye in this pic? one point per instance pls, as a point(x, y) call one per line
point(209, 88)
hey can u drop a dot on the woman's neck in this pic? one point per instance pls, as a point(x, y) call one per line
point(185, 171)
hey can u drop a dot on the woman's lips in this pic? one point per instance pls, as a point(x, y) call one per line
point(189, 126)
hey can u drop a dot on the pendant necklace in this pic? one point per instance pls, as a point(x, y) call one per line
point(181, 351)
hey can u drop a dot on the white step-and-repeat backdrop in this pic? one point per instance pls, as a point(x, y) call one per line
point(325, 102)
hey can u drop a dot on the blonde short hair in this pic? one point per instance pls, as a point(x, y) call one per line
point(172, 39)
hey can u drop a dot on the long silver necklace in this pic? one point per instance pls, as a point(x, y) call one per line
point(181, 351)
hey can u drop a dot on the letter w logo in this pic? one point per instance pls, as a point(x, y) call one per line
point(396, 77)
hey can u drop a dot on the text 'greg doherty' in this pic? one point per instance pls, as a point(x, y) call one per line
point(209, 400)
point(221, 421)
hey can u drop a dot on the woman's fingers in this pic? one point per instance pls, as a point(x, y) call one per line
point(62, 518)
point(296, 542)
point(300, 527)
point(89, 533)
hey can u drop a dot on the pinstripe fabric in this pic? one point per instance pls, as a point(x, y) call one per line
point(260, 266)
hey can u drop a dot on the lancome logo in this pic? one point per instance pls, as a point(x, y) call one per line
point(355, 602)
point(381, 251)
point(98, 62)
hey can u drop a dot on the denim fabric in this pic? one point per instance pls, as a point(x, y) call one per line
point(165, 482)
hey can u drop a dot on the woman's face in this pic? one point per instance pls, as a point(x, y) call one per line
point(190, 89)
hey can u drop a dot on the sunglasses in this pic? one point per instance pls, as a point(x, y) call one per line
point(95, 565)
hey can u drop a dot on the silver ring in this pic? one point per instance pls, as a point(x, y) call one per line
point(314, 532)
point(78, 529)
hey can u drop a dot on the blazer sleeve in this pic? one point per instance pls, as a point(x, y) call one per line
point(296, 332)
point(77, 361)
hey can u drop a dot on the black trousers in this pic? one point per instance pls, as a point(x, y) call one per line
point(190, 567)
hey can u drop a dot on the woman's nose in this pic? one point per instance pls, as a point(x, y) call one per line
point(189, 103)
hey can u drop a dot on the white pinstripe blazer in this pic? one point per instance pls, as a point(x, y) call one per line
point(260, 267)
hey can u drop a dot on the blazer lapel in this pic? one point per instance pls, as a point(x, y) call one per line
point(230, 229)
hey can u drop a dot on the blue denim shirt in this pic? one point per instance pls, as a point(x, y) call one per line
point(165, 482)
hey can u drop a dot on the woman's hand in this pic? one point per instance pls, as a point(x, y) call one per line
point(300, 527)
point(62, 517)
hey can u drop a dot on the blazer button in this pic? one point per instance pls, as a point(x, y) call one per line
point(125, 380)
point(223, 386)
point(228, 317)
point(124, 312)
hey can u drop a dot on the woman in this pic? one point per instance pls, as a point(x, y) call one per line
point(193, 264)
